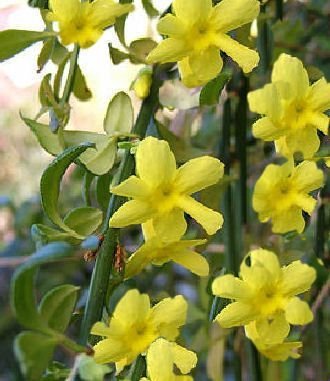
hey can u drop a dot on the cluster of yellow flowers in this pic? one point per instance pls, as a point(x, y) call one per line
point(293, 112)
point(160, 193)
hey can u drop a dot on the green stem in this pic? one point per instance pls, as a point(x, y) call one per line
point(264, 43)
point(102, 270)
point(254, 360)
point(279, 9)
point(71, 75)
point(241, 121)
point(231, 251)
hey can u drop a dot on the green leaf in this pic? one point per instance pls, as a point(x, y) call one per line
point(22, 292)
point(84, 220)
point(50, 184)
point(102, 190)
point(45, 53)
point(33, 351)
point(89, 370)
point(49, 141)
point(74, 138)
point(43, 234)
point(43, 4)
point(149, 8)
point(14, 41)
point(80, 88)
point(86, 187)
point(116, 55)
point(140, 48)
point(57, 306)
point(99, 160)
point(119, 116)
point(210, 93)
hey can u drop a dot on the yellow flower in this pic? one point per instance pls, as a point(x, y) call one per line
point(197, 30)
point(83, 23)
point(265, 294)
point(162, 356)
point(281, 194)
point(293, 110)
point(161, 192)
point(158, 251)
point(274, 347)
point(135, 325)
point(142, 83)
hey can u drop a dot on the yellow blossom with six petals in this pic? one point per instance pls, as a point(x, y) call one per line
point(83, 22)
point(197, 31)
point(282, 193)
point(135, 325)
point(265, 294)
point(293, 109)
point(161, 192)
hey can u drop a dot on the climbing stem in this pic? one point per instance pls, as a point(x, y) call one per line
point(105, 258)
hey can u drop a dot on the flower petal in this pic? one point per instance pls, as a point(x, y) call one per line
point(138, 261)
point(319, 95)
point(208, 218)
point(64, 10)
point(297, 278)
point(104, 12)
point(132, 212)
point(192, 11)
point(246, 58)
point(266, 101)
point(298, 312)
point(109, 350)
point(168, 50)
point(228, 286)
point(268, 260)
point(236, 314)
point(132, 187)
point(132, 307)
point(192, 261)
point(231, 14)
point(273, 331)
point(201, 67)
point(172, 26)
point(307, 176)
point(155, 162)
point(305, 141)
point(291, 70)
point(288, 220)
point(100, 329)
point(265, 129)
point(198, 174)
point(170, 226)
point(184, 359)
point(169, 315)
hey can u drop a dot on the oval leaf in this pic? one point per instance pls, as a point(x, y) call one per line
point(210, 93)
point(99, 160)
point(33, 352)
point(84, 220)
point(50, 184)
point(119, 116)
point(57, 306)
point(44, 234)
point(22, 291)
point(14, 41)
point(49, 141)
